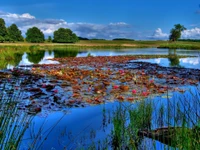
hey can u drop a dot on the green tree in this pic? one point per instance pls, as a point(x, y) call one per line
point(49, 39)
point(2, 39)
point(3, 30)
point(34, 35)
point(175, 32)
point(63, 35)
point(14, 33)
point(7, 38)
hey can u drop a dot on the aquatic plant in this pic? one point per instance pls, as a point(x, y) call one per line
point(13, 121)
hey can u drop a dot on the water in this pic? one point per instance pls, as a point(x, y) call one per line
point(42, 57)
point(75, 126)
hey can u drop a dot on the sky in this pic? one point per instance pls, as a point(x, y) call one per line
point(107, 19)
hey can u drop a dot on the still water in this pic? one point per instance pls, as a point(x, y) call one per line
point(77, 127)
point(43, 57)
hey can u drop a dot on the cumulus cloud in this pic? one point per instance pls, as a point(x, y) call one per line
point(193, 33)
point(159, 35)
point(89, 30)
point(12, 17)
point(192, 61)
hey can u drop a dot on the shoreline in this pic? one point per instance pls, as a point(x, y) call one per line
point(108, 45)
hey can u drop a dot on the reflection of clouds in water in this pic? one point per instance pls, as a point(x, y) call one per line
point(44, 60)
point(25, 60)
point(10, 66)
point(47, 56)
point(192, 61)
point(102, 53)
point(157, 60)
point(82, 54)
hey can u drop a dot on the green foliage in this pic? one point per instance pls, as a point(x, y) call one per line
point(1, 39)
point(65, 36)
point(125, 133)
point(123, 39)
point(14, 33)
point(174, 61)
point(7, 38)
point(65, 53)
point(49, 39)
point(35, 56)
point(189, 40)
point(34, 35)
point(183, 45)
point(82, 38)
point(176, 32)
point(95, 39)
point(3, 30)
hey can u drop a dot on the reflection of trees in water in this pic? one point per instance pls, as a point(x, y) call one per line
point(3, 64)
point(10, 58)
point(35, 56)
point(18, 58)
point(65, 53)
point(172, 52)
point(174, 59)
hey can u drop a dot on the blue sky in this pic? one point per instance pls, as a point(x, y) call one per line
point(141, 19)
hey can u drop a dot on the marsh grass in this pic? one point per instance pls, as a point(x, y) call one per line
point(181, 45)
point(173, 122)
point(9, 57)
point(13, 122)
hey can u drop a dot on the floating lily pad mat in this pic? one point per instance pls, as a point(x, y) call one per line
point(84, 81)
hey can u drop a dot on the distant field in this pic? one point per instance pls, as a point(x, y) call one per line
point(112, 44)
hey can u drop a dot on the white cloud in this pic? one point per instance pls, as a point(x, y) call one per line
point(12, 17)
point(191, 33)
point(159, 35)
point(27, 15)
point(89, 30)
point(192, 61)
point(17, 16)
point(119, 23)
point(158, 60)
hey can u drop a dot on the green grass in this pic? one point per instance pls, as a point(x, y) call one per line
point(178, 116)
point(181, 45)
point(13, 122)
point(105, 44)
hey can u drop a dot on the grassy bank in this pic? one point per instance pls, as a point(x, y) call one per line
point(96, 44)
point(181, 45)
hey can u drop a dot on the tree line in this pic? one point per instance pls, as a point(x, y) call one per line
point(62, 35)
point(35, 35)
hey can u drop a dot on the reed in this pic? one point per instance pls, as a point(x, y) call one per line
point(12, 120)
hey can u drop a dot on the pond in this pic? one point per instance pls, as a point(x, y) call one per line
point(42, 57)
point(83, 125)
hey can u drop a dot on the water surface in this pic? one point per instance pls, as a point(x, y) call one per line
point(42, 57)
point(74, 126)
